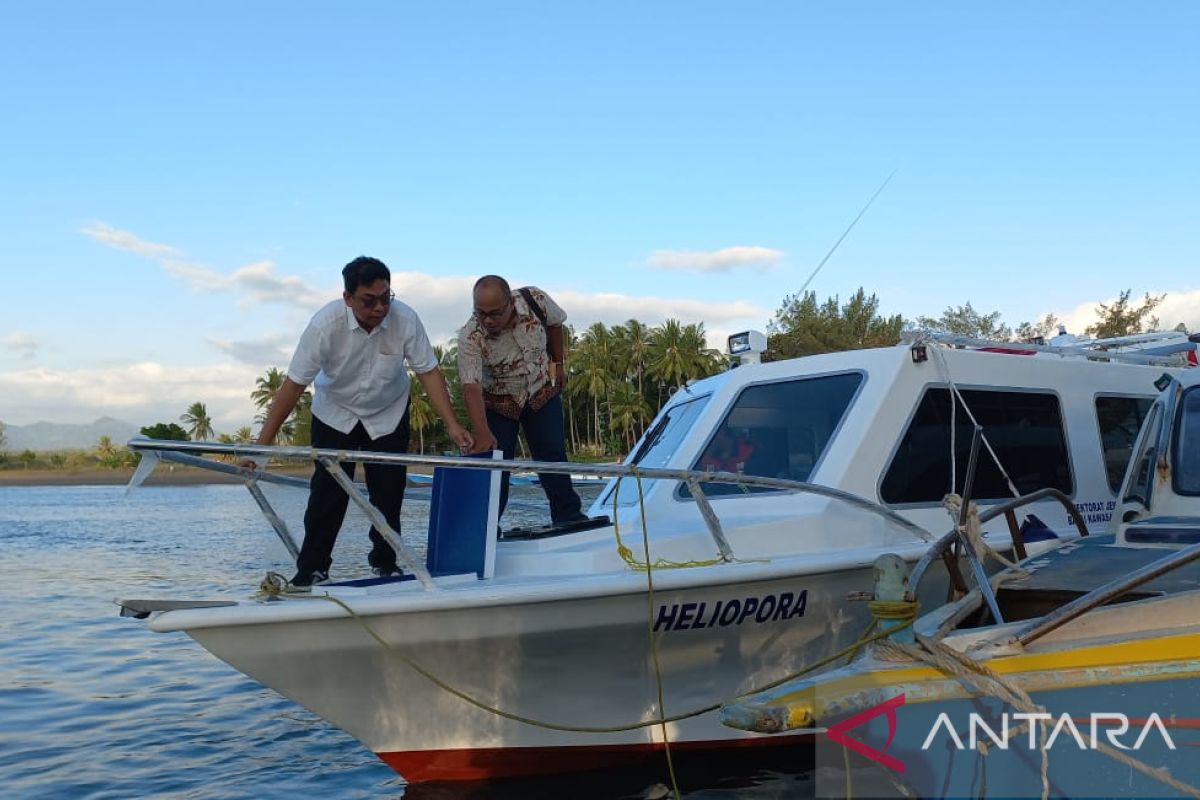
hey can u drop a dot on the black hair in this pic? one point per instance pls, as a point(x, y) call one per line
point(363, 271)
point(494, 280)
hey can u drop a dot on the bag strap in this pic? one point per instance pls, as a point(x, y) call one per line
point(537, 312)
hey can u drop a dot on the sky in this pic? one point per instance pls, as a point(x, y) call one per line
point(182, 183)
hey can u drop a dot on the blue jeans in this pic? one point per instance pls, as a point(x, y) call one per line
point(544, 434)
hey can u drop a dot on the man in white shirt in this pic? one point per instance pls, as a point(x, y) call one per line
point(354, 352)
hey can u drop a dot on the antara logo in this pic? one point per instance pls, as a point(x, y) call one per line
point(1115, 727)
point(1063, 723)
point(887, 708)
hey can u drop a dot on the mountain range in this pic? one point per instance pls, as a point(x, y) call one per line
point(58, 436)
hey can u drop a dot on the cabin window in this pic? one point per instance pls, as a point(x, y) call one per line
point(657, 446)
point(776, 430)
point(1120, 419)
point(1187, 444)
point(1024, 428)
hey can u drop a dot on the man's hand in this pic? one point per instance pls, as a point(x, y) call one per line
point(248, 463)
point(558, 374)
point(484, 440)
point(462, 437)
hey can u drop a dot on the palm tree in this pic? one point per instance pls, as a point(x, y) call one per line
point(626, 409)
point(633, 346)
point(300, 421)
point(595, 378)
point(244, 435)
point(297, 428)
point(200, 424)
point(266, 387)
point(420, 412)
point(107, 453)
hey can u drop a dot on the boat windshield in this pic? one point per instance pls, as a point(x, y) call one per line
point(1187, 444)
point(660, 443)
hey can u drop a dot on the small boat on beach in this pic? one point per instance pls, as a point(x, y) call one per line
point(717, 562)
point(1073, 674)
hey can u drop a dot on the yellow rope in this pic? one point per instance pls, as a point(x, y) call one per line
point(627, 554)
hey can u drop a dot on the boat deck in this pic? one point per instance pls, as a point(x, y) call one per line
point(1066, 573)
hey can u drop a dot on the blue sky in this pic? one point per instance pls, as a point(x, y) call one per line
point(182, 183)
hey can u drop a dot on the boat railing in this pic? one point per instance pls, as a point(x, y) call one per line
point(1113, 349)
point(193, 454)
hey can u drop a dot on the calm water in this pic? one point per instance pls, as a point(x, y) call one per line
point(94, 705)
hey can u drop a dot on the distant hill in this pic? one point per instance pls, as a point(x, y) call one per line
point(55, 436)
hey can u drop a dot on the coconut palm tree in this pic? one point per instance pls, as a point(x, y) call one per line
point(626, 410)
point(595, 378)
point(420, 412)
point(297, 428)
point(266, 387)
point(244, 435)
point(198, 422)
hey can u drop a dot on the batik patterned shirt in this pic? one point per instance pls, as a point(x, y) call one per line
point(512, 365)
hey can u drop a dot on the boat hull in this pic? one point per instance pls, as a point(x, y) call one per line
point(565, 669)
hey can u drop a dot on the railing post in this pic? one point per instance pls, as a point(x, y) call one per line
point(710, 519)
point(404, 554)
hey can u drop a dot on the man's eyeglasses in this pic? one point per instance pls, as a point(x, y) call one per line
point(372, 300)
point(496, 314)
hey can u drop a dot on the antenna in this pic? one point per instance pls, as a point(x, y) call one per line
point(846, 233)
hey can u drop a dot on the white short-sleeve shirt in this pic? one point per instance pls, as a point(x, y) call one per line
point(359, 376)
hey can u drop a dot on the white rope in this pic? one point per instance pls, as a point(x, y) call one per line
point(944, 368)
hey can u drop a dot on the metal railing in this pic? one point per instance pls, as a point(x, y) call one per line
point(191, 454)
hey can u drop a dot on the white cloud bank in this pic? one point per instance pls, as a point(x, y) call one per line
point(726, 259)
point(142, 394)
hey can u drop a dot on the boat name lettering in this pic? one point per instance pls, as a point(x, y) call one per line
point(768, 608)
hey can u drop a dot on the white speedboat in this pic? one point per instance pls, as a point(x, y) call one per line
point(759, 497)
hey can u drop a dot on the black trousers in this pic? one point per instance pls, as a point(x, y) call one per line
point(327, 502)
point(544, 434)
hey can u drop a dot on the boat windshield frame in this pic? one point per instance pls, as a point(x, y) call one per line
point(1189, 467)
point(660, 443)
point(1135, 489)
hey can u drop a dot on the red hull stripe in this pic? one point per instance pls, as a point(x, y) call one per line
point(420, 766)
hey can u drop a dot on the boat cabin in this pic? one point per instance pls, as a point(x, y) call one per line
point(893, 426)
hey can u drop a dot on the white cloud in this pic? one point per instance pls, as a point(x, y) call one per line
point(264, 286)
point(272, 350)
point(124, 240)
point(724, 260)
point(200, 278)
point(22, 343)
point(257, 282)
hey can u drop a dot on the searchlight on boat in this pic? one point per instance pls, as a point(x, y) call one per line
point(747, 346)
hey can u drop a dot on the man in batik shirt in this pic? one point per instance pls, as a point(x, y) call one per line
point(510, 362)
